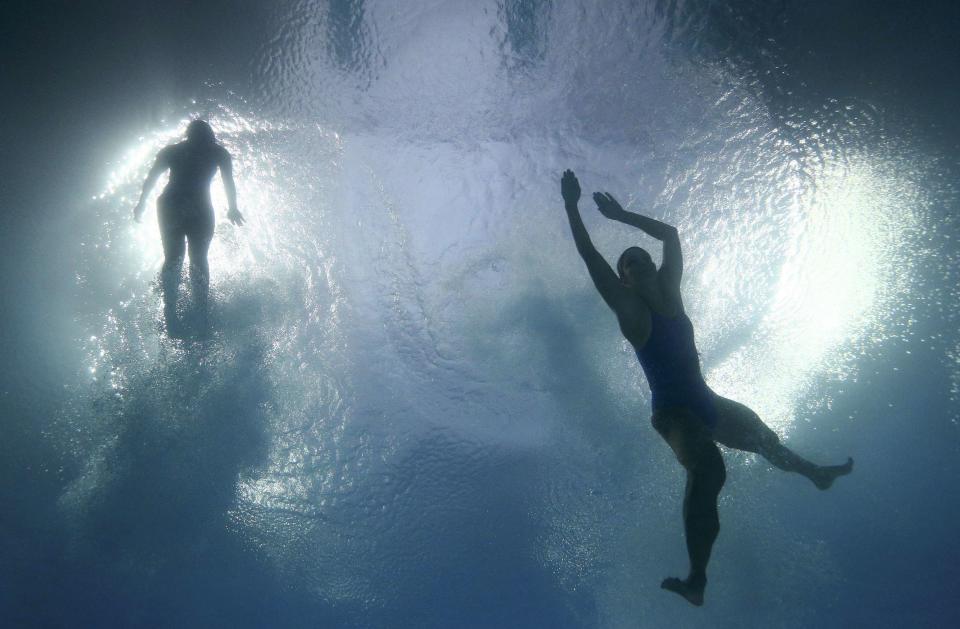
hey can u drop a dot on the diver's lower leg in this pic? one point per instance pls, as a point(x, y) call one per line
point(198, 245)
point(701, 521)
point(200, 281)
point(174, 249)
point(170, 288)
point(820, 475)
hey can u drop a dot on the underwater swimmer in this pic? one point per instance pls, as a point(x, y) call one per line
point(690, 417)
point(185, 213)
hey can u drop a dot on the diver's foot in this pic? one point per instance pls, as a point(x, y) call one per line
point(824, 476)
point(691, 589)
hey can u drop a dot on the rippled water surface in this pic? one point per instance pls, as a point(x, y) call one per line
point(414, 409)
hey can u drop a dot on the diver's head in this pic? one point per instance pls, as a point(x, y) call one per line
point(635, 266)
point(200, 132)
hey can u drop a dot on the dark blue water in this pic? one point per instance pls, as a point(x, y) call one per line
point(414, 410)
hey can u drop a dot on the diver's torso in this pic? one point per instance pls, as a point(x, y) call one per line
point(669, 357)
point(668, 354)
point(192, 167)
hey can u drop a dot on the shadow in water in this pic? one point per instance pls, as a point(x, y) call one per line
point(147, 516)
point(145, 537)
point(170, 473)
point(469, 510)
point(566, 350)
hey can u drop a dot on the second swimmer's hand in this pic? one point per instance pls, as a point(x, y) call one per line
point(607, 205)
point(235, 217)
point(570, 187)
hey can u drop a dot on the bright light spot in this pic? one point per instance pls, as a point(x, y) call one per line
point(256, 193)
point(836, 266)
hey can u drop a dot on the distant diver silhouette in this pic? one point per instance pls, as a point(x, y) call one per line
point(686, 413)
point(185, 212)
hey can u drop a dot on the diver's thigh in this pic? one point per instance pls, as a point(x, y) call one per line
point(200, 233)
point(740, 428)
point(684, 433)
point(173, 240)
point(199, 245)
point(172, 233)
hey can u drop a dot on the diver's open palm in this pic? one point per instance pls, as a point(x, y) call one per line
point(570, 187)
point(607, 205)
point(235, 217)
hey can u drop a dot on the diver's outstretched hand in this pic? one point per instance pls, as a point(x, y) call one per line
point(235, 217)
point(570, 187)
point(138, 211)
point(607, 205)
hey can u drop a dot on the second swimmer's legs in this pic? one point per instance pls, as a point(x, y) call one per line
point(705, 477)
point(200, 274)
point(173, 251)
point(740, 428)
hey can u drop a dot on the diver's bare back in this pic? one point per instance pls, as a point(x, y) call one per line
point(192, 167)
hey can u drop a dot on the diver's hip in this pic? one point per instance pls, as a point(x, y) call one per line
point(184, 201)
point(183, 207)
point(693, 397)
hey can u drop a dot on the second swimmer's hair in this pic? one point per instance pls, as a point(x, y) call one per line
point(200, 131)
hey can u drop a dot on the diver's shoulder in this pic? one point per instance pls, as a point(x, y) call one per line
point(167, 154)
point(176, 148)
point(221, 152)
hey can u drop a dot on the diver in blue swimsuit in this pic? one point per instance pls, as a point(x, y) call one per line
point(185, 214)
point(690, 417)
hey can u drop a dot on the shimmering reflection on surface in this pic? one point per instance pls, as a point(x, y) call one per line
point(402, 321)
point(832, 290)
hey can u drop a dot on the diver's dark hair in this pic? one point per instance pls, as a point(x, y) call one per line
point(200, 131)
point(623, 256)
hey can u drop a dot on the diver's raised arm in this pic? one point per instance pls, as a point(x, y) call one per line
point(606, 281)
point(612, 209)
point(672, 267)
point(226, 174)
point(159, 165)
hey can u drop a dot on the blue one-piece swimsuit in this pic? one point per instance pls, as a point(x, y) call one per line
point(672, 366)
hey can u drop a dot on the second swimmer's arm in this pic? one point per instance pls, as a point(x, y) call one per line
point(226, 174)
point(159, 165)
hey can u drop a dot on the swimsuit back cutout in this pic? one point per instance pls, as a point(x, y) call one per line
point(672, 366)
